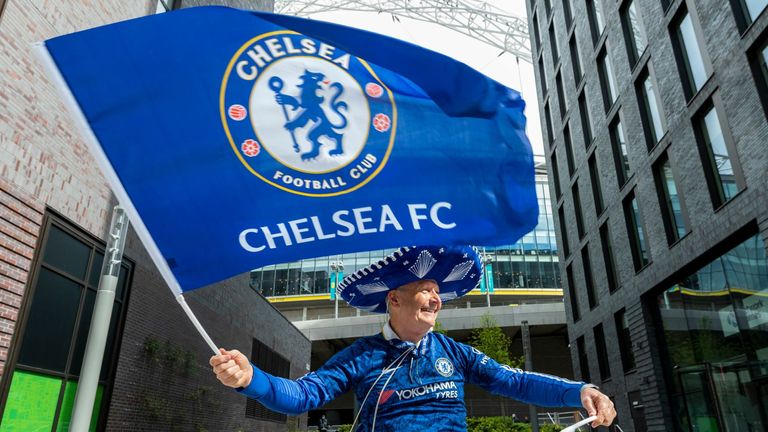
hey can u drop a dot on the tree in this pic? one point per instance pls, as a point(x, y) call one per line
point(438, 328)
point(492, 341)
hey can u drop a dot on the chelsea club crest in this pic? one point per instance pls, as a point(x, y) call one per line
point(444, 367)
point(306, 117)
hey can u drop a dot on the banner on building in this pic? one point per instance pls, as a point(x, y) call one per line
point(239, 139)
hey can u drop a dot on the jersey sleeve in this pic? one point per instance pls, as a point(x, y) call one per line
point(314, 389)
point(529, 387)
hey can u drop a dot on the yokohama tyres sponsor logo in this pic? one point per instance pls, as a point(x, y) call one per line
point(441, 390)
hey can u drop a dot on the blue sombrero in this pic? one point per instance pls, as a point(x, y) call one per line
point(456, 269)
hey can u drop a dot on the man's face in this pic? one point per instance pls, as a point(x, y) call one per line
point(417, 304)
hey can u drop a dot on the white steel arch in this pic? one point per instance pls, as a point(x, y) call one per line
point(473, 18)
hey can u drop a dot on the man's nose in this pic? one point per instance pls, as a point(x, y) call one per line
point(436, 300)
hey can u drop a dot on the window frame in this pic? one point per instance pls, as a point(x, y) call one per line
point(596, 19)
point(568, 144)
point(608, 259)
point(671, 227)
point(638, 241)
point(97, 246)
point(576, 64)
point(624, 336)
point(586, 119)
point(589, 280)
point(681, 51)
point(605, 72)
point(563, 231)
point(601, 349)
point(575, 313)
point(576, 194)
point(633, 53)
point(759, 65)
point(623, 168)
point(711, 173)
point(597, 190)
point(562, 102)
point(646, 113)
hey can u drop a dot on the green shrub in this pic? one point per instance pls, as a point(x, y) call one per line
point(505, 424)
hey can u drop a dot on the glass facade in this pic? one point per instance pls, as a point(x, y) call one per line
point(531, 262)
point(715, 334)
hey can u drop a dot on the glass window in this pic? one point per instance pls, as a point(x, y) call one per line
point(561, 95)
point(607, 80)
point(619, 144)
point(553, 43)
point(634, 33)
point(635, 232)
point(589, 282)
point(597, 192)
point(568, 149)
point(625, 341)
point(577, 207)
point(548, 6)
point(754, 8)
point(575, 60)
point(715, 329)
point(563, 231)
point(650, 110)
point(602, 353)
point(716, 158)
point(567, 13)
point(548, 119)
point(586, 122)
point(583, 361)
point(759, 63)
point(572, 293)
point(44, 377)
point(694, 71)
point(596, 20)
point(536, 36)
point(669, 200)
point(555, 175)
point(610, 266)
point(542, 77)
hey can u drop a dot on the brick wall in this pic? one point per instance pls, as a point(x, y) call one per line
point(45, 165)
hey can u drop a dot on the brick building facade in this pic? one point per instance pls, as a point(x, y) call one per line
point(55, 208)
point(655, 114)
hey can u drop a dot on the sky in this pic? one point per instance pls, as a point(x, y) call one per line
point(480, 56)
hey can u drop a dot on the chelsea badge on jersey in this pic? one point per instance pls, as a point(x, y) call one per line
point(306, 117)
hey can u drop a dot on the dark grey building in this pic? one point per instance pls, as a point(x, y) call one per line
point(657, 140)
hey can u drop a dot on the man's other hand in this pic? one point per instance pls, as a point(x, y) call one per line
point(598, 404)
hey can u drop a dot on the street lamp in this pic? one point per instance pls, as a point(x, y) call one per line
point(336, 268)
point(486, 260)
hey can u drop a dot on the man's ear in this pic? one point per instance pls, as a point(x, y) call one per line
point(392, 298)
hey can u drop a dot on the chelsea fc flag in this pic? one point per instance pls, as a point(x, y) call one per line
point(237, 139)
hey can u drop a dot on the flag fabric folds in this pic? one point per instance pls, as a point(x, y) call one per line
point(243, 139)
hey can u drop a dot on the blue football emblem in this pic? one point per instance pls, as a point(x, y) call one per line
point(306, 117)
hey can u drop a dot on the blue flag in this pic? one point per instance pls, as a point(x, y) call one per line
point(240, 139)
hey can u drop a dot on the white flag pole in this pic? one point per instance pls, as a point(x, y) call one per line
point(112, 178)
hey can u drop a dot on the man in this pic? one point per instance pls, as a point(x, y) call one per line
point(408, 378)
